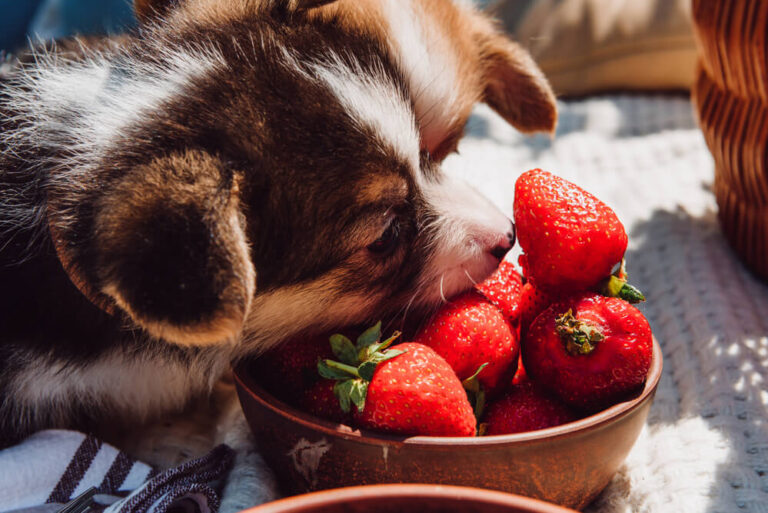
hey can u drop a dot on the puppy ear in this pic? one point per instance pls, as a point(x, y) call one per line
point(514, 86)
point(171, 249)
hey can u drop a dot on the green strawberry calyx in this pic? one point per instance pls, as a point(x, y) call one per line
point(579, 336)
point(475, 392)
point(616, 285)
point(357, 364)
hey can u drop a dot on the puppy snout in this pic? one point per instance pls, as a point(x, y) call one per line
point(505, 244)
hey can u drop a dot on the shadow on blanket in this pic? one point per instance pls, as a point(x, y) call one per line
point(709, 315)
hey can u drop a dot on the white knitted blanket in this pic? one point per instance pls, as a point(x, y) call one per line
point(705, 446)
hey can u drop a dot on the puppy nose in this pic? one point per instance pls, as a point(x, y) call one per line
point(502, 249)
point(512, 234)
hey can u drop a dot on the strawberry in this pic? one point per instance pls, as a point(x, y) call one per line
point(290, 368)
point(571, 240)
point(468, 332)
point(320, 400)
point(408, 390)
point(532, 302)
point(525, 408)
point(417, 393)
point(503, 288)
point(590, 350)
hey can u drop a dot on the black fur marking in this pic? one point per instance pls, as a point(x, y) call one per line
point(165, 273)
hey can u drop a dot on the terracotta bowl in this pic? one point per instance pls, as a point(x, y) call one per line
point(411, 498)
point(568, 465)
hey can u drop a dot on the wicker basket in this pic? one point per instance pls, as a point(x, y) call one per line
point(731, 98)
point(731, 36)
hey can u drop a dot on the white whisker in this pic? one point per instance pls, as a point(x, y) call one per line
point(442, 294)
point(474, 282)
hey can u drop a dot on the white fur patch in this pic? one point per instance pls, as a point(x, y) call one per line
point(78, 108)
point(371, 98)
point(466, 227)
point(373, 101)
point(426, 57)
point(136, 384)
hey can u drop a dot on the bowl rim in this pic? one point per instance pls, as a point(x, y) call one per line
point(335, 496)
point(247, 384)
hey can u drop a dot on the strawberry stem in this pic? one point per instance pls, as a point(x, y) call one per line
point(358, 364)
point(613, 286)
point(631, 294)
point(475, 392)
point(342, 367)
point(580, 337)
point(616, 286)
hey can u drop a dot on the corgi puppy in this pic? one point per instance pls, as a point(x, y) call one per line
point(231, 174)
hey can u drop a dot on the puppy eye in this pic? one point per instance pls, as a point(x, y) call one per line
point(387, 243)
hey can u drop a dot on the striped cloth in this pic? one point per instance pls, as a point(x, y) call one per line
point(51, 468)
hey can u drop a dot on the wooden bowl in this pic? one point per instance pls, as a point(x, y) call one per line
point(409, 498)
point(568, 465)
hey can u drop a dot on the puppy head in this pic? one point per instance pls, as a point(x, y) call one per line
point(259, 177)
point(255, 177)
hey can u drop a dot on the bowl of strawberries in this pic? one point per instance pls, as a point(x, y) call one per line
point(535, 383)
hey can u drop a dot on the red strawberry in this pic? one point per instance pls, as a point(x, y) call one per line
point(409, 390)
point(468, 332)
point(525, 408)
point(571, 239)
point(290, 368)
point(532, 302)
point(591, 351)
point(417, 393)
point(319, 400)
point(503, 288)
